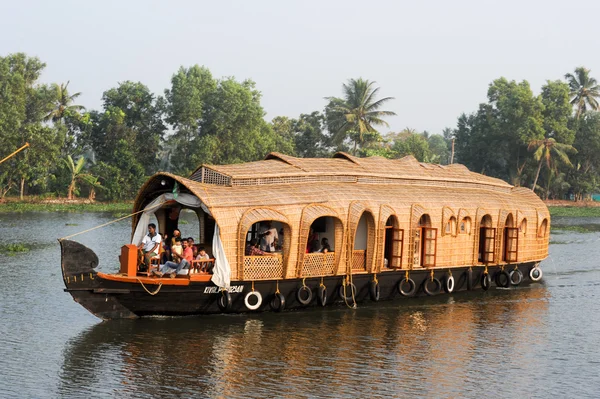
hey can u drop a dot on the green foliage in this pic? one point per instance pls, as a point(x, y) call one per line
point(355, 116)
point(584, 90)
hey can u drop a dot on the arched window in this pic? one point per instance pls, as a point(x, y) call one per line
point(543, 228)
point(523, 226)
point(450, 226)
point(487, 240)
point(465, 226)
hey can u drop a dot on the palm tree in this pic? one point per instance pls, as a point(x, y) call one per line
point(357, 113)
point(63, 103)
point(77, 175)
point(544, 149)
point(584, 90)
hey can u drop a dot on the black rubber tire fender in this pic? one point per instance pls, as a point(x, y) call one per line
point(437, 286)
point(374, 291)
point(350, 291)
point(278, 302)
point(503, 279)
point(449, 284)
point(519, 274)
point(411, 284)
point(224, 301)
point(486, 281)
point(300, 292)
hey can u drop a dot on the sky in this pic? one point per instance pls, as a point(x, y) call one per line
point(436, 58)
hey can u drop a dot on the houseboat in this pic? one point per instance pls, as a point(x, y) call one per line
point(394, 229)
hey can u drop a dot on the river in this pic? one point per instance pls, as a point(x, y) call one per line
point(536, 341)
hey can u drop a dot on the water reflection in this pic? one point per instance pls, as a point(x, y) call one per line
point(433, 347)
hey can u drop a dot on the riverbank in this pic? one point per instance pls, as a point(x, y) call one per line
point(573, 208)
point(14, 205)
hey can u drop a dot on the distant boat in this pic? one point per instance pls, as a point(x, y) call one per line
point(395, 229)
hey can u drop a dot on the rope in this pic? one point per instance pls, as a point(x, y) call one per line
point(146, 289)
point(111, 222)
point(277, 287)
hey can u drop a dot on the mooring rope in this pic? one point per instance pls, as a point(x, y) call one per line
point(146, 289)
point(111, 222)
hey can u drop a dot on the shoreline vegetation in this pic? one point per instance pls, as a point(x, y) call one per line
point(35, 204)
point(14, 205)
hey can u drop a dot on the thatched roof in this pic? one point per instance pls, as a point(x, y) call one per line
point(281, 169)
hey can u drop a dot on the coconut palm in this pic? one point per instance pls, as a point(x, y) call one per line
point(584, 90)
point(63, 103)
point(78, 175)
point(544, 149)
point(357, 112)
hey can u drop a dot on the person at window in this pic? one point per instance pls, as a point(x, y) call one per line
point(150, 245)
point(268, 237)
point(252, 249)
point(314, 246)
point(312, 236)
point(279, 241)
point(180, 262)
point(325, 247)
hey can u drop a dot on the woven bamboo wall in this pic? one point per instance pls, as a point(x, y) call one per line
point(297, 205)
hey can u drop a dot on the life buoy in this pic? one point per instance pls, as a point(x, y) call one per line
point(304, 290)
point(278, 302)
point(343, 291)
point(503, 279)
point(486, 281)
point(535, 274)
point(469, 277)
point(224, 301)
point(519, 277)
point(322, 295)
point(258, 300)
point(411, 287)
point(449, 284)
point(437, 286)
point(374, 290)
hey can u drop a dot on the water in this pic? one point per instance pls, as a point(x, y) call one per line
point(537, 341)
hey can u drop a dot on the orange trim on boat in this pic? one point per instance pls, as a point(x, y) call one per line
point(184, 280)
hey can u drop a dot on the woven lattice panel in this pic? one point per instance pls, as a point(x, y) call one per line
point(263, 267)
point(259, 215)
point(210, 176)
point(359, 260)
point(311, 213)
point(318, 264)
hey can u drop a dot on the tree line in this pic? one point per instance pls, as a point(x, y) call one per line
point(548, 141)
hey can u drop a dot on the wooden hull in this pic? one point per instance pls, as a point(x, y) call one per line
point(112, 297)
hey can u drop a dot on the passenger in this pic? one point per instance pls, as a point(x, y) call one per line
point(253, 250)
point(311, 237)
point(204, 266)
point(177, 248)
point(166, 248)
point(150, 245)
point(325, 247)
point(190, 241)
point(314, 246)
point(202, 255)
point(181, 261)
point(195, 251)
point(268, 236)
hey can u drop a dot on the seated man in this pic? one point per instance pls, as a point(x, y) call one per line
point(150, 244)
point(180, 262)
point(253, 250)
